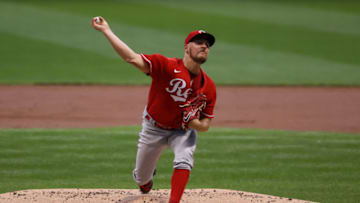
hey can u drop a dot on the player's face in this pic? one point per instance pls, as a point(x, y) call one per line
point(199, 50)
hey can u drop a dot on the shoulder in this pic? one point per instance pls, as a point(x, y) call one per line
point(160, 64)
point(210, 82)
point(209, 87)
point(160, 59)
point(155, 61)
point(160, 56)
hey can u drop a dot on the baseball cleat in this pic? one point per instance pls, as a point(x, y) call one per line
point(147, 187)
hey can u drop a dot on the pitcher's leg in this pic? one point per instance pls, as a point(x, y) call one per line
point(179, 181)
point(146, 160)
point(183, 144)
point(152, 142)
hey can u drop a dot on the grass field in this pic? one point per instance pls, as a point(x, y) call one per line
point(321, 167)
point(258, 42)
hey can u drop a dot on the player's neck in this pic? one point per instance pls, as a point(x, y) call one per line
point(191, 65)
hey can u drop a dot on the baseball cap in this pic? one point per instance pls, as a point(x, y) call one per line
point(197, 33)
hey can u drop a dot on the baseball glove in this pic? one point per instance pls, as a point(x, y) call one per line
point(192, 109)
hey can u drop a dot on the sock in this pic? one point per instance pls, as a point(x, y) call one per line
point(179, 180)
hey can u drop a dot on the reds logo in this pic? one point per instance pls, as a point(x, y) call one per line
point(177, 91)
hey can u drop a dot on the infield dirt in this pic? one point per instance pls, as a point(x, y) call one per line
point(331, 109)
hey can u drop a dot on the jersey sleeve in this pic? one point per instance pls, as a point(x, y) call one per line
point(156, 63)
point(210, 93)
point(208, 112)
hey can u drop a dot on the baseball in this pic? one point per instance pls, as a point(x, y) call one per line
point(97, 20)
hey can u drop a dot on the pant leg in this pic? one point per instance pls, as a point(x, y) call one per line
point(183, 144)
point(152, 142)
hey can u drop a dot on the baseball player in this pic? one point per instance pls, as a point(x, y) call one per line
point(180, 103)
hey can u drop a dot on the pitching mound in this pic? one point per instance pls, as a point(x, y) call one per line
point(134, 196)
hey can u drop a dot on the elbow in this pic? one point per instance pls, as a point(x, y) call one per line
point(204, 129)
point(200, 125)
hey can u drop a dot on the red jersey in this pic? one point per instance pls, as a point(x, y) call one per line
point(172, 85)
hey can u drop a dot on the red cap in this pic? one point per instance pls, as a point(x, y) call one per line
point(209, 37)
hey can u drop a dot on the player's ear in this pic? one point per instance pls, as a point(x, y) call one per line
point(186, 47)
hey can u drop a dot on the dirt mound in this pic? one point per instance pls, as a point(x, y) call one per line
point(134, 196)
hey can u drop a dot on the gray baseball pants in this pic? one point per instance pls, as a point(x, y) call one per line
point(153, 141)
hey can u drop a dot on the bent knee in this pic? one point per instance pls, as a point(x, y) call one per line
point(141, 178)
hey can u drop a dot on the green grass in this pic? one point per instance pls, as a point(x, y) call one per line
point(315, 166)
point(258, 42)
